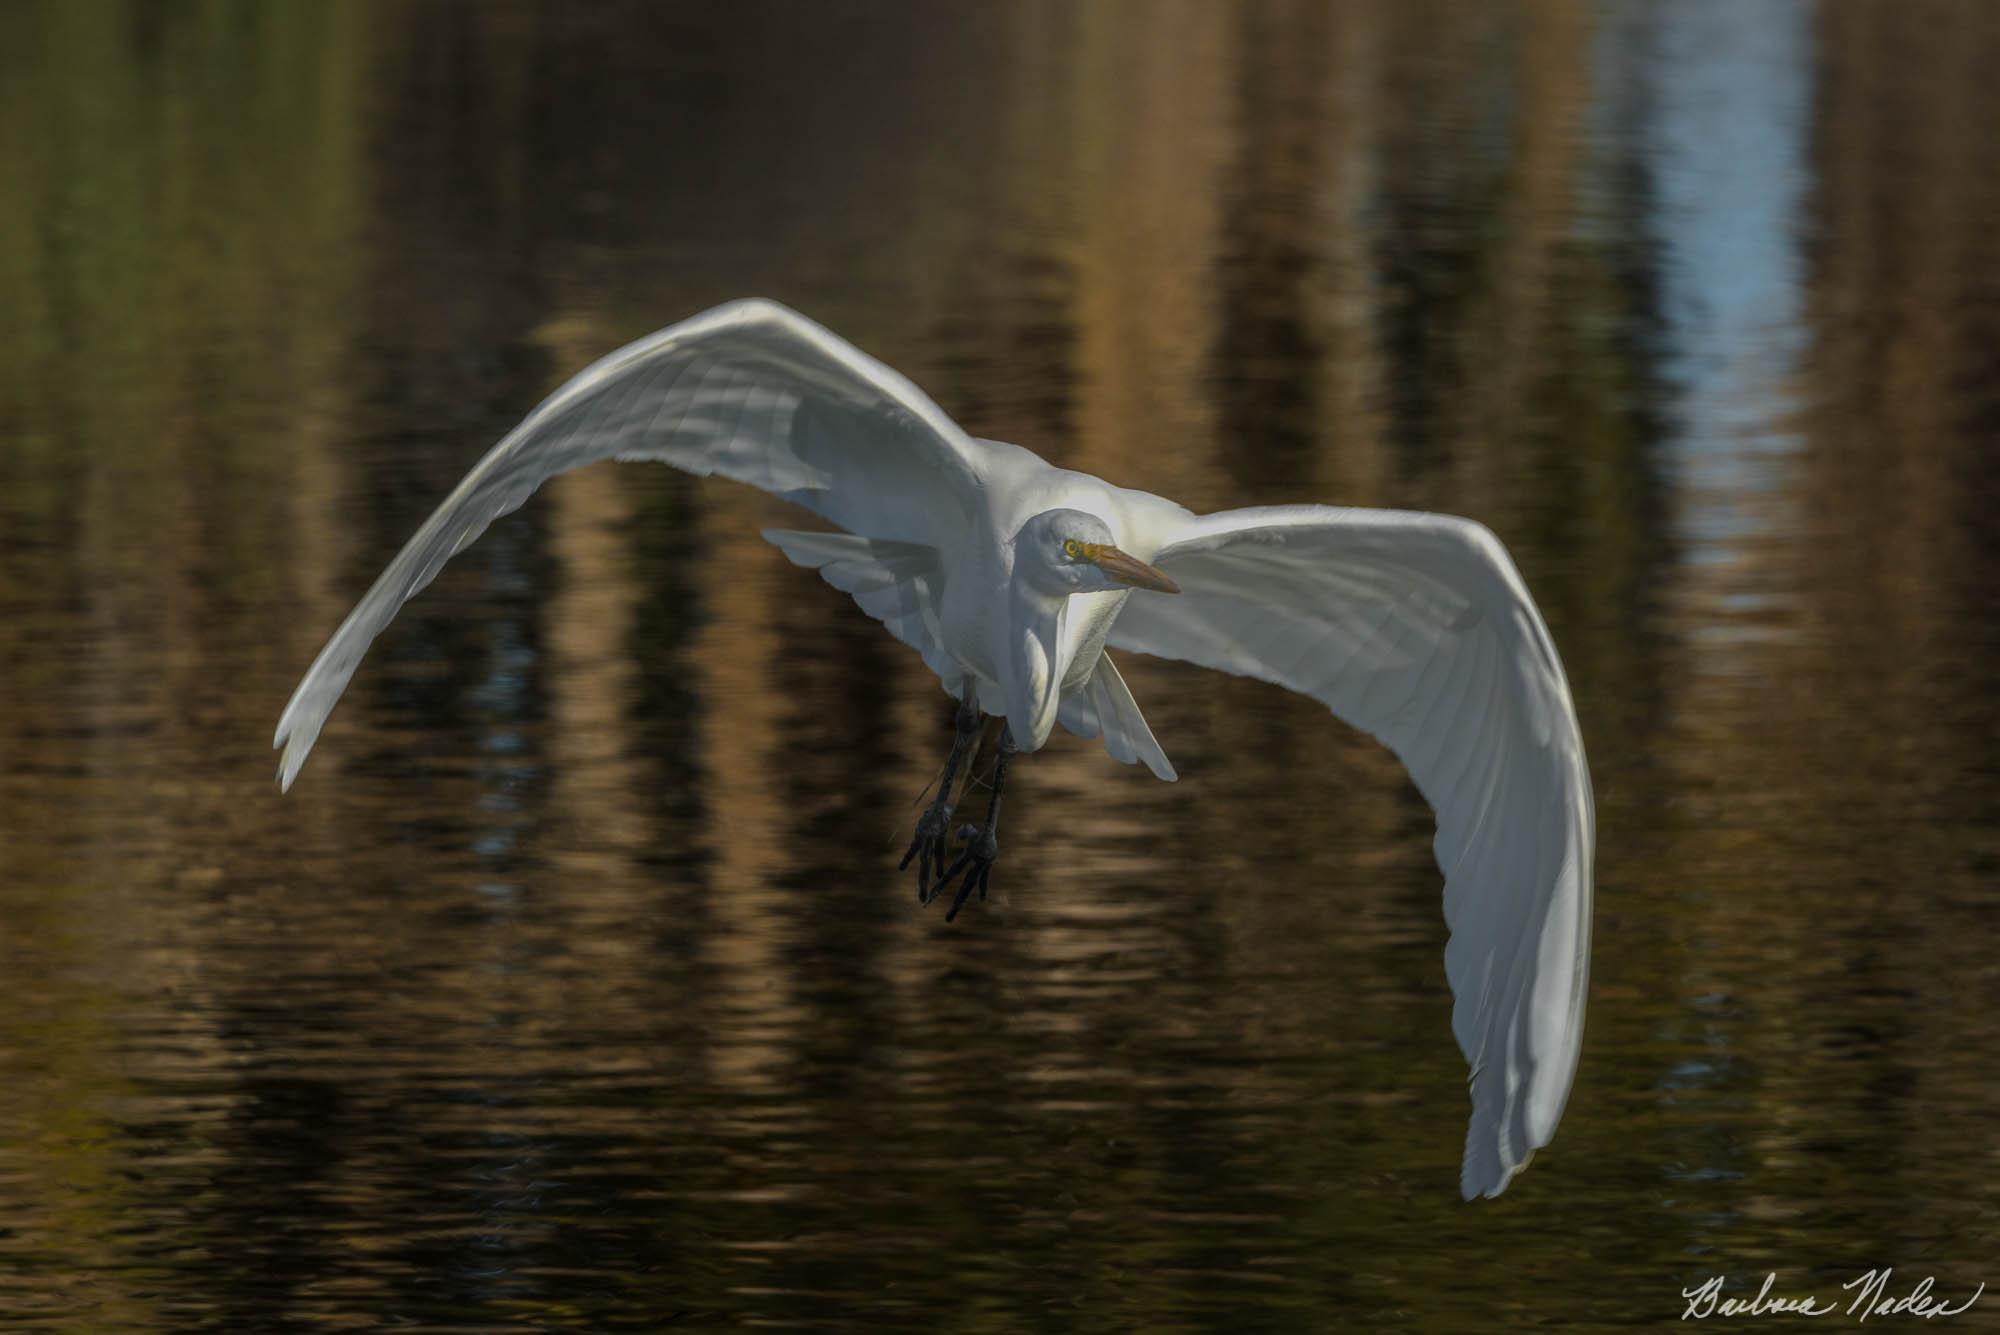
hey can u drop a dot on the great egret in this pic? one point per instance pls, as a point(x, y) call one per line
point(1011, 576)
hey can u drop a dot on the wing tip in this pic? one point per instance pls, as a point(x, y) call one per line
point(297, 743)
point(1474, 1181)
point(289, 764)
point(1496, 1152)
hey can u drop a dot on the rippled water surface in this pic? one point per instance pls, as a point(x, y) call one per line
point(573, 986)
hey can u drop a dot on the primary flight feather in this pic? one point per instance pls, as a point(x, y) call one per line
point(1011, 577)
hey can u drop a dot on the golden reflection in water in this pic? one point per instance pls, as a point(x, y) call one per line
point(574, 982)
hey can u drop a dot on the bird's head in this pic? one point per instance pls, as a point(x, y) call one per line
point(1058, 554)
point(1068, 551)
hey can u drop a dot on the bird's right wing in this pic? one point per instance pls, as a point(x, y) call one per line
point(751, 391)
point(1417, 628)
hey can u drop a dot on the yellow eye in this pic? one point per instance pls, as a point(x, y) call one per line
point(1072, 548)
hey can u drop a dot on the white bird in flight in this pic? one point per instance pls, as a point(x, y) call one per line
point(1011, 577)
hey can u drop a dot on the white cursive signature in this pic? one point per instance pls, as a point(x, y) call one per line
point(1871, 1298)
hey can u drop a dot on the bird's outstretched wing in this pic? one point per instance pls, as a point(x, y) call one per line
point(751, 391)
point(1417, 628)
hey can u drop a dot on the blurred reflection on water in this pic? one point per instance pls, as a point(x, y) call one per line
point(573, 986)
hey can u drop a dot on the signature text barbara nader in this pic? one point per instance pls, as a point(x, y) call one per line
point(1868, 1294)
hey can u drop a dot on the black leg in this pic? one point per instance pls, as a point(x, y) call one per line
point(934, 826)
point(982, 847)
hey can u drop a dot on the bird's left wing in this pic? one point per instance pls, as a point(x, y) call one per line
point(1417, 628)
point(750, 391)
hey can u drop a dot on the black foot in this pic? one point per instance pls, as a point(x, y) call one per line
point(934, 826)
point(975, 860)
point(933, 833)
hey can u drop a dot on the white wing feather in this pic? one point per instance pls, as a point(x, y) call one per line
point(1104, 705)
point(749, 390)
point(1417, 628)
point(900, 584)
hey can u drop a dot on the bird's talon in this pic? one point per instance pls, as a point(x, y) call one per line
point(928, 847)
point(975, 862)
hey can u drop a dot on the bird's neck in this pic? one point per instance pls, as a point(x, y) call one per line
point(1032, 662)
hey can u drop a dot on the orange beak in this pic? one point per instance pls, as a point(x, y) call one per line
point(1131, 570)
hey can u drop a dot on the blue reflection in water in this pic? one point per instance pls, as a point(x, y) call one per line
point(505, 698)
point(1732, 87)
point(1717, 95)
